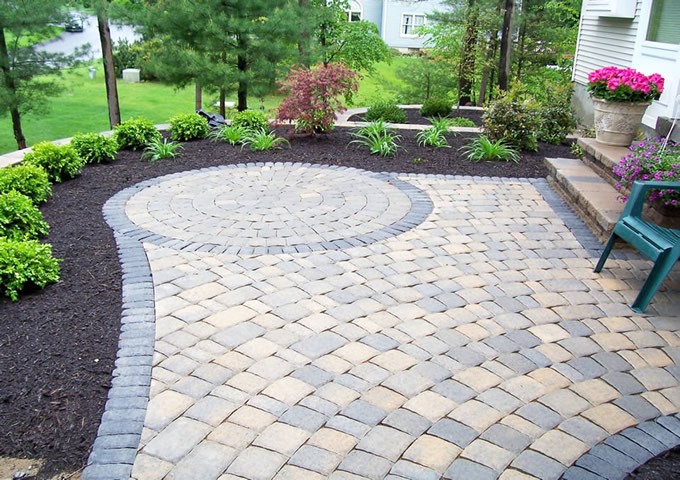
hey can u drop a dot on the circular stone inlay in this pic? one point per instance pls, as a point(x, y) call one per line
point(277, 205)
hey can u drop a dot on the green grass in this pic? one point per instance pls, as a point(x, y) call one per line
point(82, 108)
point(50, 33)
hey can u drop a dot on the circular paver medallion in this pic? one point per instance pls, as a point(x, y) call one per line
point(273, 206)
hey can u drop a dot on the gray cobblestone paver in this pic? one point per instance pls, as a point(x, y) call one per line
point(296, 321)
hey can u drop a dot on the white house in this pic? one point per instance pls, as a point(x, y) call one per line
point(397, 20)
point(642, 34)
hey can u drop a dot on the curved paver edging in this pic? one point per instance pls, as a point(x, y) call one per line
point(620, 454)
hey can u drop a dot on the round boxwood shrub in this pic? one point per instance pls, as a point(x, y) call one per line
point(61, 162)
point(30, 180)
point(95, 148)
point(20, 219)
point(252, 120)
point(188, 126)
point(436, 107)
point(25, 263)
point(136, 133)
point(385, 110)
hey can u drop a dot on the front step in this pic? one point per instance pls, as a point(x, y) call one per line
point(602, 158)
point(592, 198)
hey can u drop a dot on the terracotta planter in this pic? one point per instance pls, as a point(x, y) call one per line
point(617, 123)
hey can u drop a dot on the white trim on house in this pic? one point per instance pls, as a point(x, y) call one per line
point(409, 23)
point(355, 7)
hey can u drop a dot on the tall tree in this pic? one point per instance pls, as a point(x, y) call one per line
point(466, 68)
point(504, 63)
point(24, 69)
point(102, 11)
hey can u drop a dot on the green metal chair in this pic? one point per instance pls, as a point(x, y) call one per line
point(659, 244)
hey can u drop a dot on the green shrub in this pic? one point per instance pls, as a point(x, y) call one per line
point(435, 136)
point(232, 134)
point(378, 137)
point(556, 122)
point(252, 120)
point(461, 122)
point(483, 149)
point(136, 133)
point(513, 117)
point(260, 140)
point(30, 180)
point(25, 263)
point(436, 107)
point(188, 126)
point(385, 110)
point(95, 148)
point(61, 162)
point(20, 219)
point(160, 149)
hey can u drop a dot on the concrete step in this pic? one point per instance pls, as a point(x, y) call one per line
point(602, 158)
point(593, 198)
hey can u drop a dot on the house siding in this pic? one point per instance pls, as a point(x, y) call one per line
point(372, 12)
point(391, 26)
point(603, 41)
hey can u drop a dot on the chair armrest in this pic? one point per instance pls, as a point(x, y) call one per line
point(638, 195)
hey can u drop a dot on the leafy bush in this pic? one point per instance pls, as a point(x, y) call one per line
point(260, 140)
point(20, 219)
point(25, 263)
point(461, 122)
point(481, 149)
point(423, 77)
point(95, 148)
point(252, 120)
point(61, 162)
point(556, 122)
point(313, 96)
point(436, 107)
point(188, 126)
point(160, 149)
point(385, 110)
point(232, 134)
point(378, 138)
point(30, 180)
point(135, 133)
point(513, 117)
point(435, 136)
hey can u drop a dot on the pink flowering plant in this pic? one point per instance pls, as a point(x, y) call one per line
point(649, 160)
point(616, 84)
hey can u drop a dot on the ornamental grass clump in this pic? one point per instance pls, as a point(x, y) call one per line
point(650, 160)
point(616, 84)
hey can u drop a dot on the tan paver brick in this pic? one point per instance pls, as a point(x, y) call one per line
point(476, 414)
point(635, 360)
point(512, 474)
point(432, 452)
point(252, 418)
point(211, 410)
point(485, 453)
point(394, 361)
point(596, 391)
point(430, 405)
point(560, 446)
point(291, 472)
point(247, 382)
point(654, 378)
point(618, 324)
point(565, 402)
point(549, 333)
point(610, 417)
point(258, 348)
point(556, 353)
point(660, 402)
point(522, 425)
point(356, 352)
point(332, 363)
point(281, 438)
point(232, 435)
point(338, 394)
point(333, 441)
point(288, 390)
point(256, 463)
point(478, 379)
point(147, 467)
point(673, 395)
point(655, 357)
point(384, 398)
point(523, 387)
point(166, 407)
point(611, 342)
point(231, 316)
point(550, 379)
point(473, 331)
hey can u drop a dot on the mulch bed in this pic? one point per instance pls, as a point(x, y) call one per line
point(58, 345)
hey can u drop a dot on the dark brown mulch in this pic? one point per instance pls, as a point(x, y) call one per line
point(58, 345)
point(413, 116)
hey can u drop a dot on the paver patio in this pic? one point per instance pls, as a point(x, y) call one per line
point(301, 322)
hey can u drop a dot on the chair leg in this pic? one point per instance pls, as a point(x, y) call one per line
point(605, 253)
point(660, 271)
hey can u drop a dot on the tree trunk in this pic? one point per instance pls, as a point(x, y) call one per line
point(223, 97)
point(109, 70)
point(506, 46)
point(487, 73)
point(11, 86)
point(305, 37)
point(466, 69)
point(198, 97)
point(242, 65)
point(521, 52)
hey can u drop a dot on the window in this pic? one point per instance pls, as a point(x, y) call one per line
point(410, 23)
point(664, 22)
point(354, 12)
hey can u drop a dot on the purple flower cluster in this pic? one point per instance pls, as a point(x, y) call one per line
point(624, 85)
point(648, 160)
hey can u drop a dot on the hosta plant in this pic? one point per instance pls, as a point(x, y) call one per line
point(30, 180)
point(188, 126)
point(435, 136)
point(232, 134)
point(20, 219)
point(483, 149)
point(136, 134)
point(160, 149)
point(259, 141)
point(461, 122)
point(650, 159)
point(61, 162)
point(25, 263)
point(94, 147)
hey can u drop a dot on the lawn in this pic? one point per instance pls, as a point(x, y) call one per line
point(82, 105)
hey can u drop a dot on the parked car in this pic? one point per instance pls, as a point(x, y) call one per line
point(74, 23)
